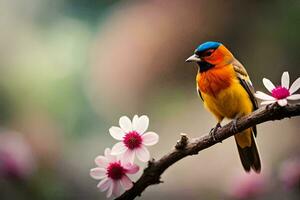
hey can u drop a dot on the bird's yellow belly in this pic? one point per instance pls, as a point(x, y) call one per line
point(230, 102)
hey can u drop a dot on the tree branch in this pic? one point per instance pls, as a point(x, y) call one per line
point(186, 147)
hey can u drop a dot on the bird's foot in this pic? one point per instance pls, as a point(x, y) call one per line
point(234, 128)
point(213, 131)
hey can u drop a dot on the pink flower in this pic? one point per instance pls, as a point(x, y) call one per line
point(248, 186)
point(289, 173)
point(279, 94)
point(133, 138)
point(113, 174)
point(17, 161)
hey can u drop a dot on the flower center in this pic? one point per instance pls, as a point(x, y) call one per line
point(115, 171)
point(280, 92)
point(132, 140)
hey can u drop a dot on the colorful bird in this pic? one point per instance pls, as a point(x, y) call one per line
point(226, 90)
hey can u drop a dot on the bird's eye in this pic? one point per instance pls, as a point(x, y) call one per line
point(208, 52)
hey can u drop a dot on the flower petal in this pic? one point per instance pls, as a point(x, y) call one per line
point(282, 102)
point(128, 156)
point(125, 124)
point(118, 148)
point(294, 97)
point(142, 124)
point(131, 168)
point(263, 96)
point(135, 121)
point(104, 184)
point(110, 189)
point(267, 102)
point(150, 138)
point(98, 173)
point(116, 190)
point(107, 153)
point(143, 154)
point(295, 86)
point(116, 133)
point(126, 182)
point(285, 80)
point(101, 161)
point(268, 84)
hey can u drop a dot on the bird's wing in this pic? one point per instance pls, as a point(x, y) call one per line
point(199, 93)
point(245, 81)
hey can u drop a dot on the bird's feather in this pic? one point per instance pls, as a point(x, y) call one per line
point(199, 93)
point(249, 155)
point(247, 85)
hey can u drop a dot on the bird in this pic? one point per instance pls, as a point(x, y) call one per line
point(226, 90)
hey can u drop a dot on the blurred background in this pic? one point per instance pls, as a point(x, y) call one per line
point(70, 68)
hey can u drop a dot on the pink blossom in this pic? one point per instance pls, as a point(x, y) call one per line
point(113, 173)
point(134, 138)
point(280, 94)
point(16, 157)
point(289, 173)
point(248, 185)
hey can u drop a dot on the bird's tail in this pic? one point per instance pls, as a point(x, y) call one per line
point(248, 151)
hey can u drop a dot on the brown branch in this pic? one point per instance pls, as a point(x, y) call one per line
point(185, 147)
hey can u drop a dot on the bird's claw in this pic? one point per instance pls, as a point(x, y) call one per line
point(213, 131)
point(234, 128)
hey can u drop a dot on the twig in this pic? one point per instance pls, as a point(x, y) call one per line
point(185, 147)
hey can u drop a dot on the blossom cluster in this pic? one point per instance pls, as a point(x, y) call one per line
point(117, 163)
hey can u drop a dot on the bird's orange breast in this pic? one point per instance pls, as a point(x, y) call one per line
point(215, 80)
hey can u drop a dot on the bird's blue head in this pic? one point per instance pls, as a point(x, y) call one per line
point(206, 46)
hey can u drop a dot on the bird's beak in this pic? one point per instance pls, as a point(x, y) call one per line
point(193, 58)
